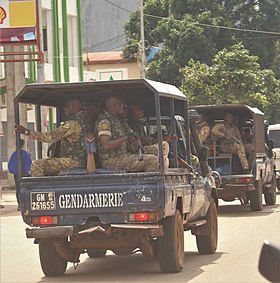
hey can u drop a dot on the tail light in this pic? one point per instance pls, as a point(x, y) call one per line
point(44, 220)
point(245, 180)
point(142, 216)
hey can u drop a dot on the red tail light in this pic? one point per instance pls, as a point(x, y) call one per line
point(245, 180)
point(142, 216)
point(44, 220)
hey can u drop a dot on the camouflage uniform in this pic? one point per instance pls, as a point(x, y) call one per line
point(119, 158)
point(228, 145)
point(247, 140)
point(72, 152)
point(203, 131)
point(138, 128)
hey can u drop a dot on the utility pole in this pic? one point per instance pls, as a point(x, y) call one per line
point(41, 79)
point(142, 42)
point(40, 65)
point(15, 80)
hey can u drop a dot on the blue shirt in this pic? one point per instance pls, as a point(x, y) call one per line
point(25, 162)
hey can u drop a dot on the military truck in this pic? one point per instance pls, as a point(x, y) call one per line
point(237, 184)
point(274, 135)
point(124, 212)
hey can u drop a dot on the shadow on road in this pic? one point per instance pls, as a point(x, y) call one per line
point(238, 210)
point(133, 269)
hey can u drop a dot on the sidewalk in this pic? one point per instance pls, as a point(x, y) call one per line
point(8, 201)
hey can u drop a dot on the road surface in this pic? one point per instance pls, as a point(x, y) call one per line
point(241, 234)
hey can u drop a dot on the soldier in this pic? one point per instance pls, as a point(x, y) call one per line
point(135, 118)
point(247, 141)
point(112, 141)
point(231, 140)
point(92, 111)
point(203, 129)
point(70, 133)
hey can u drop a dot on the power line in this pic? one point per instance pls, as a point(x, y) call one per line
point(221, 27)
point(118, 6)
point(201, 24)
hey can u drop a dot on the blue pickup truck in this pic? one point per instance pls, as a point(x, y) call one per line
point(148, 212)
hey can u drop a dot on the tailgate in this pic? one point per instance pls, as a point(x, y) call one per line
point(105, 197)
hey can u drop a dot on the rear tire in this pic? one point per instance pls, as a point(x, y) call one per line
point(278, 184)
point(256, 197)
point(52, 263)
point(171, 245)
point(207, 244)
point(96, 253)
point(270, 198)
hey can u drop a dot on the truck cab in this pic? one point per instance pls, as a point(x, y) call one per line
point(124, 212)
point(248, 187)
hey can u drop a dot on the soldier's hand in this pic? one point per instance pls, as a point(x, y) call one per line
point(147, 140)
point(170, 137)
point(89, 137)
point(132, 137)
point(20, 129)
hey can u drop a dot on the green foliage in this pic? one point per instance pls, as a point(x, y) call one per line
point(218, 64)
point(234, 77)
point(276, 60)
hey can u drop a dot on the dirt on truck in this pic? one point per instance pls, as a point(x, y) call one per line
point(121, 211)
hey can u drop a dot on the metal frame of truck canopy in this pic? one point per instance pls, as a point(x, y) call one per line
point(157, 98)
point(240, 111)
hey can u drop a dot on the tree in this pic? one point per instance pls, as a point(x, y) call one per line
point(186, 30)
point(261, 15)
point(181, 38)
point(234, 77)
point(276, 61)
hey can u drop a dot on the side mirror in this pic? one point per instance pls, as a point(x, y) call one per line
point(269, 262)
point(193, 116)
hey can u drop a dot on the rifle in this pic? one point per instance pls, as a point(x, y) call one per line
point(133, 137)
point(236, 139)
point(90, 149)
point(185, 164)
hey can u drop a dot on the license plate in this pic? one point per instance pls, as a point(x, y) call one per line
point(42, 201)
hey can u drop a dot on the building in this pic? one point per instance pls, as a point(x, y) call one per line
point(55, 55)
point(103, 23)
point(109, 66)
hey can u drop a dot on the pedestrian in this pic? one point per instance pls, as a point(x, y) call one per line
point(71, 134)
point(25, 167)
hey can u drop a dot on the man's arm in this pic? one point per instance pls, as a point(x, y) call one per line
point(104, 134)
point(218, 130)
point(64, 131)
point(204, 133)
point(108, 144)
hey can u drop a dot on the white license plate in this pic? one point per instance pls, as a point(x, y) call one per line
point(42, 201)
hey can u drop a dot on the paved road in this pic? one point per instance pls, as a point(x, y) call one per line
point(241, 234)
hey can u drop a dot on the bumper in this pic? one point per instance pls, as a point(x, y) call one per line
point(67, 231)
point(49, 232)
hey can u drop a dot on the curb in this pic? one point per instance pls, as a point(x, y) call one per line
point(8, 202)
